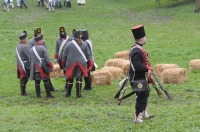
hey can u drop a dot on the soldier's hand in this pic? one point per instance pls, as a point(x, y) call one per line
point(55, 61)
point(149, 74)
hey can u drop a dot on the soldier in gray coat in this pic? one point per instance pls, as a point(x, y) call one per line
point(61, 42)
point(23, 67)
point(74, 61)
point(39, 59)
point(32, 42)
point(88, 41)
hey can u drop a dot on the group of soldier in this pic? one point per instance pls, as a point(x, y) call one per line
point(9, 3)
point(49, 4)
point(74, 54)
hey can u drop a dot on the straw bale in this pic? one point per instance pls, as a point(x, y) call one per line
point(122, 55)
point(159, 68)
point(195, 64)
point(101, 77)
point(174, 75)
point(57, 72)
point(116, 72)
point(120, 63)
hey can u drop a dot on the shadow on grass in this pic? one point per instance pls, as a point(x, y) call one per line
point(174, 3)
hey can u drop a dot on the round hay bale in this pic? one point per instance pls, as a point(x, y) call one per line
point(101, 77)
point(174, 75)
point(116, 72)
point(159, 68)
point(122, 55)
point(57, 72)
point(120, 63)
point(195, 64)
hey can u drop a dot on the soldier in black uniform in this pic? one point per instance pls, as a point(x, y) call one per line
point(23, 66)
point(140, 69)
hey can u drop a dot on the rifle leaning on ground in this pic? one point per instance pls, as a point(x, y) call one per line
point(162, 87)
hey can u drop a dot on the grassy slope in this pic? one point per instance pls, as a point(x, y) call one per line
point(173, 37)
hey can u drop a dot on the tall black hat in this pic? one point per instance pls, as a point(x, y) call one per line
point(73, 31)
point(62, 32)
point(85, 34)
point(38, 38)
point(77, 34)
point(138, 31)
point(23, 35)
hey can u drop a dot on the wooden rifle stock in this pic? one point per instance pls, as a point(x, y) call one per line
point(162, 87)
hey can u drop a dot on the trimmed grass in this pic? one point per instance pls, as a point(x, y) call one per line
point(172, 35)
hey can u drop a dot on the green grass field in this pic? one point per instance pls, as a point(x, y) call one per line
point(172, 37)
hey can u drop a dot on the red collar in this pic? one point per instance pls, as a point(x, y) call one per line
point(22, 41)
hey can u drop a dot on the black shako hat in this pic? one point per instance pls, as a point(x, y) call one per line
point(62, 32)
point(23, 35)
point(138, 31)
point(77, 34)
point(85, 34)
point(38, 38)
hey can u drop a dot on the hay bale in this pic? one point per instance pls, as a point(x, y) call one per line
point(116, 72)
point(174, 75)
point(122, 55)
point(120, 63)
point(195, 64)
point(101, 77)
point(57, 72)
point(159, 68)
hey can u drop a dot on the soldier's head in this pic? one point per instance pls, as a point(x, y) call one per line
point(39, 39)
point(62, 32)
point(85, 34)
point(37, 32)
point(77, 35)
point(23, 35)
point(139, 34)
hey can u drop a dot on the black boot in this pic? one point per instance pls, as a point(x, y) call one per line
point(47, 88)
point(66, 85)
point(51, 86)
point(23, 87)
point(87, 83)
point(90, 81)
point(69, 85)
point(78, 88)
point(37, 88)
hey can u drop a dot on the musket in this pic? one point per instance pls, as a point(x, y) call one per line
point(154, 86)
point(162, 87)
point(123, 85)
point(133, 92)
point(122, 91)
